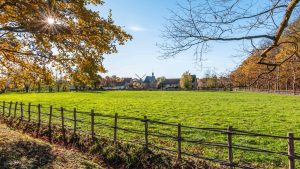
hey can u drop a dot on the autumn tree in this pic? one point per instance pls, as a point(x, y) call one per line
point(160, 82)
point(285, 76)
point(26, 79)
point(56, 35)
point(86, 74)
point(186, 80)
point(225, 81)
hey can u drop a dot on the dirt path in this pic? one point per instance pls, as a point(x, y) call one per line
point(19, 150)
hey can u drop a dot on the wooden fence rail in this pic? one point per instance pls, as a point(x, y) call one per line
point(230, 132)
point(285, 92)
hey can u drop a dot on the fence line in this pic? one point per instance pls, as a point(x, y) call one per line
point(287, 92)
point(230, 132)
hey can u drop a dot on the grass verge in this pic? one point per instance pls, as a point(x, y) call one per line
point(37, 154)
point(18, 150)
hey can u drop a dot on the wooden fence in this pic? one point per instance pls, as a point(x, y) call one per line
point(287, 92)
point(11, 110)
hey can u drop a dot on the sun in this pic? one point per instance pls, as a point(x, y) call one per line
point(50, 20)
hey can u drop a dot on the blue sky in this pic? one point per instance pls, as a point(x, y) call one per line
point(144, 20)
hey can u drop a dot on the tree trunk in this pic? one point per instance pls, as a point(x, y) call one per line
point(269, 85)
point(95, 86)
point(286, 85)
point(277, 78)
point(294, 81)
point(26, 89)
point(39, 88)
point(50, 89)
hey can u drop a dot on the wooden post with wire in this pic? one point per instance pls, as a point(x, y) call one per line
point(93, 125)
point(229, 140)
point(9, 110)
point(146, 132)
point(115, 128)
point(291, 151)
point(39, 119)
point(75, 120)
point(22, 112)
point(63, 126)
point(15, 110)
point(179, 139)
point(29, 112)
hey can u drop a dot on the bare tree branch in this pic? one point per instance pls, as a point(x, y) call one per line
point(199, 22)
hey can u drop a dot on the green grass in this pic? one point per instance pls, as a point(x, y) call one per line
point(18, 150)
point(255, 112)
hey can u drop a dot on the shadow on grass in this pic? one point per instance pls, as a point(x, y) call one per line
point(24, 154)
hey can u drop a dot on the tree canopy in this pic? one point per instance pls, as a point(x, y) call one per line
point(38, 37)
point(186, 80)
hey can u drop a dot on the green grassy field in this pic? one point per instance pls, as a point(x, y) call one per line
point(255, 112)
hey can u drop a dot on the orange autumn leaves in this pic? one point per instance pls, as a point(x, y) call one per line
point(31, 49)
point(284, 76)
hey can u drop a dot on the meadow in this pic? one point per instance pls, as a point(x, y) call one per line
point(254, 112)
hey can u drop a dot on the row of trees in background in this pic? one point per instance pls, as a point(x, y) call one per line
point(51, 82)
point(58, 83)
point(284, 77)
point(211, 81)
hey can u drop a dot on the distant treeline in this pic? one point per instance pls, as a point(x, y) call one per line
point(283, 77)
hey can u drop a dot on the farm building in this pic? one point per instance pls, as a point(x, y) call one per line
point(171, 84)
point(150, 82)
point(125, 83)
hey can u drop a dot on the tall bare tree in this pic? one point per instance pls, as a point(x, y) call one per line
point(199, 23)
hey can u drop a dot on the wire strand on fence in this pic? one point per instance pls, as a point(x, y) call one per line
point(158, 134)
point(246, 133)
point(103, 125)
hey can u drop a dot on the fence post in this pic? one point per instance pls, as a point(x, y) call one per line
point(63, 125)
point(146, 131)
point(93, 125)
point(179, 142)
point(39, 115)
point(230, 153)
point(115, 128)
point(291, 151)
point(9, 111)
point(50, 124)
point(29, 113)
point(75, 121)
point(3, 108)
point(39, 119)
point(15, 110)
point(22, 113)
